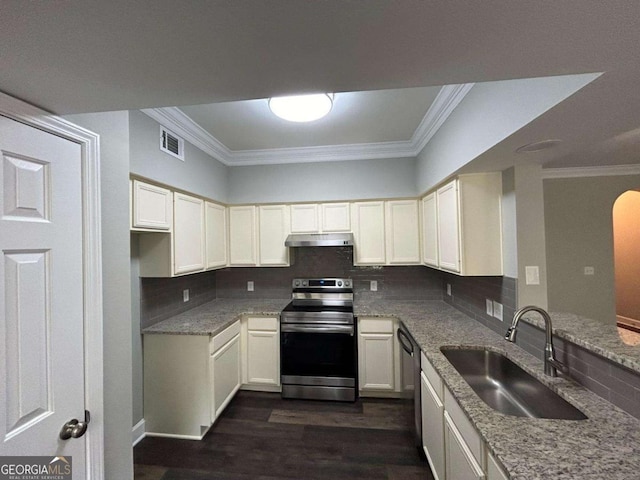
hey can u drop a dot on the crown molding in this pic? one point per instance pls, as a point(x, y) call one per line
point(445, 102)
point(601, 171)
point(175, 120)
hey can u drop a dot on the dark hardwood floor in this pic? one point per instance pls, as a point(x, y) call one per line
point(261, 436)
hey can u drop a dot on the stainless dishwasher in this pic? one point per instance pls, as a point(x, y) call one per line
point(412, 349)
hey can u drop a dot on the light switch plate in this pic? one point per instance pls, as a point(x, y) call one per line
point(374, 285)
point(489, 307)
point(497, 310)
point(185, 295)
point(249, 286)
point(532, 275)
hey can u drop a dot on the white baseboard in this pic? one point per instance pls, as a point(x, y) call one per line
point(138, 432)
point(173, 435)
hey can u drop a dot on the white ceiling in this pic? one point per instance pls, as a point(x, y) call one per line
point(85, 56)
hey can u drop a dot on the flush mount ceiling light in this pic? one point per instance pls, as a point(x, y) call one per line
point(302, 108)
point(538, 146)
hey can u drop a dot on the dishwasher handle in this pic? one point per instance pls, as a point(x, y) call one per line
point(407, 348)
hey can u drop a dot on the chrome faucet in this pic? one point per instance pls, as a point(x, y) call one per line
point(551, 365)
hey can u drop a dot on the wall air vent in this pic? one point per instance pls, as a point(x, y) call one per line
point(171, 143)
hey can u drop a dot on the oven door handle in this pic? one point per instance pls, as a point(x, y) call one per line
point(405, 347)
point(288, 328)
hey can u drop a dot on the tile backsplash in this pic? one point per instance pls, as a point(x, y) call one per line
point(411, 282)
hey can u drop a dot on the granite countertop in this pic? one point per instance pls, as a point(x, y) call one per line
point(605, 446)
point(213, 317)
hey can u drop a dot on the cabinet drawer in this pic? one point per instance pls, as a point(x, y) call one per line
point(376, 325)
point(432, 376)
point(464, 426)
point(263, 323)
point(223, 337)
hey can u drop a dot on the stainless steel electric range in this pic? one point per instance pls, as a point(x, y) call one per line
point(318, 343)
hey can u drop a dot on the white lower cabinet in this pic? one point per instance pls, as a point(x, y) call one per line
point(379, 365)
point(494, 472)
point(261, 353)
point(433, 428)
point(188, 381)
point(460, 462)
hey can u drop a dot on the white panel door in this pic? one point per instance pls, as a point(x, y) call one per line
point(403, 233)
point(368, 231)
point(41, 294)
point(336, 217)
point(274, 229)
point(242, 236)
point(304, 218)
point(188, 234)
point(433, 428)
point(459, 461)
point(449, 227)
point(430, 230)
point(216, 234)
point(225, 368)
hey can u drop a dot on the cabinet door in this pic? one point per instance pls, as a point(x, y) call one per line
point(242, 236)
point(459, 462)
point(274, 228)
point(433, 428)
point(448, 227)
point(263, 357)
point(152, 206)
point(402, 232)
point(188, 234)
point(430, 230)
point(304, 218)
point(368, 232)
point(494, 471)
point(336, 217)
point(216, 235)
point(225, 369)
point(375, 367)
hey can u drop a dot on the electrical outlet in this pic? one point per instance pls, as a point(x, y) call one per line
point(449, 289)
point(374, 286)
point(497, 310)
point(589, 271)
point(250, 286)
point(185, 295)
point(489, 304)
point(532, 275)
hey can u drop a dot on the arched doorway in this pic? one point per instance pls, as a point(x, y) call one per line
point(626, 241)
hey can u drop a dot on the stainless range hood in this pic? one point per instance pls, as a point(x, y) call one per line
point(319, 240)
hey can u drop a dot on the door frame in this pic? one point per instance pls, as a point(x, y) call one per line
point(92, 264)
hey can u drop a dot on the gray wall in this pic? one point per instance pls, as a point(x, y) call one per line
point(198, 173)
point(351, 180)
point(578, 222)
point(488, 114)
point(113, 129)
point(136, 337)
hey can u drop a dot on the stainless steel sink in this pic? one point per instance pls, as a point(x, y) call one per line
point(506, 387)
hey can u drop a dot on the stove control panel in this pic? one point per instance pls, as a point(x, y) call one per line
point(322, 283)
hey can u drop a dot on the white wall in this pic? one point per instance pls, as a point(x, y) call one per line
point(350, 180)
point(113, 128)
point(489, 113)
point(199, 173)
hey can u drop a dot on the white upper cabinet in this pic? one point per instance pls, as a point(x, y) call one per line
point(429, 230)
point(216, 235)
point(367, 219)
point(402, 232)
point(152, 207)
point(448, 227)
point(188, 246)
point(274, 222)
point(304, 218)
point(243, 244)
point(335, 217)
